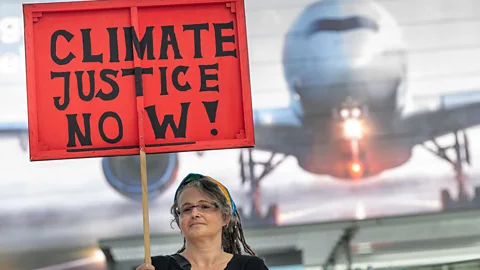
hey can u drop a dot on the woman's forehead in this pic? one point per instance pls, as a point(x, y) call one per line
point(192, 195)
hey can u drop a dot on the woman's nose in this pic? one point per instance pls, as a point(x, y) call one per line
point(195, 212)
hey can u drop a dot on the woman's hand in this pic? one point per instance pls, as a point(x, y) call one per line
point(145, 266)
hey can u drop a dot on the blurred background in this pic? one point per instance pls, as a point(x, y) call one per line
point(366, 116)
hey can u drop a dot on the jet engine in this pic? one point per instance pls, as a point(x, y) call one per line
point(123, 174)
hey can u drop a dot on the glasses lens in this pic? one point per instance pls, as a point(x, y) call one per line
point(203, 208)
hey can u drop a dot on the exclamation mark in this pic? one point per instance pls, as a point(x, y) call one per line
point(211, 108)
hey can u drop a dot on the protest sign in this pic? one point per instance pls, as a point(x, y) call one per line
point(103, 76)
point(119, 77)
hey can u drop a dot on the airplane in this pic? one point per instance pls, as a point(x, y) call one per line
point(348, 117)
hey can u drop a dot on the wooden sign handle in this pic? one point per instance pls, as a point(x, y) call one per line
point(141, 136)
point(146, 229)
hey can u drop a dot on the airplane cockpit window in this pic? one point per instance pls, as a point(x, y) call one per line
point(346, 24)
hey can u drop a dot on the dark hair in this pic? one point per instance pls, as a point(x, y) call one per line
point(232, 234)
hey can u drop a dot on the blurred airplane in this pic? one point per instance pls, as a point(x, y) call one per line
point(349, 115)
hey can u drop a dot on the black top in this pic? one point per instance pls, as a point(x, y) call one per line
point(238, 262)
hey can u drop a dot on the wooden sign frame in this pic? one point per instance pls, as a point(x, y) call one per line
point(40, 150)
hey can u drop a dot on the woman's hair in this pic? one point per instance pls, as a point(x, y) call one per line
point(232, 234)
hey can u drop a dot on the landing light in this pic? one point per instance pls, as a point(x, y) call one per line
point(345, 113)
point(356, 168)
point(350, 113)
point(352, 129)
point(356, 112)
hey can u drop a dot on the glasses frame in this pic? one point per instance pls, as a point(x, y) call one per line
point(213, 204)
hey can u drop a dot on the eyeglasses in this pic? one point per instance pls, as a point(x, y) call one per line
point(202, 207)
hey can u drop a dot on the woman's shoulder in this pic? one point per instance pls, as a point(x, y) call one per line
point(161, 261)
point(242, 261)
point(170, 262)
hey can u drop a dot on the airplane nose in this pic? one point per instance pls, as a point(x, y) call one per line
point(341, 53)
point(336, 52)
point(337, 66)
point(340, 64)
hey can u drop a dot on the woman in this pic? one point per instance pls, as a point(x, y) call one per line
point(212, 231)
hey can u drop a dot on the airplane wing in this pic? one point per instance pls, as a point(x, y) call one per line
point(276, 130)
point(15, 129)
point(444, 114)
point(280, 130)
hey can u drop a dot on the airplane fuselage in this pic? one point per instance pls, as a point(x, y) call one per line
point(340, 52)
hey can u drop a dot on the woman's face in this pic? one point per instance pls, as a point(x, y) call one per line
point(200, 216)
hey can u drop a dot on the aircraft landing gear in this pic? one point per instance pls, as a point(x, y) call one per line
point(248, 173)
point(462, 154)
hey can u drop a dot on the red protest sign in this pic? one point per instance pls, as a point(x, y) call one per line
point(106, 78)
